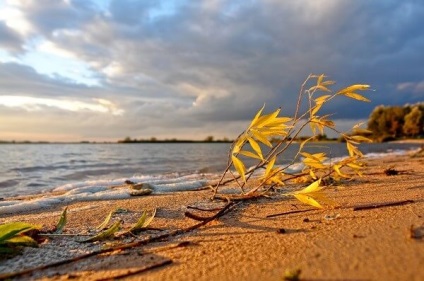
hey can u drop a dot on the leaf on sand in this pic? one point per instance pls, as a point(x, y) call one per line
point(313, 187)
point(143, 222)
point(62, 221)
point(312, 193)
point(105, 234)
point(241, 169)
point(9, 230)
point(22, 240)
point(106, 221)
point(307, 199)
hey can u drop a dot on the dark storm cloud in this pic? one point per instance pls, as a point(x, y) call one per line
point(9, 39)
point(214, 61)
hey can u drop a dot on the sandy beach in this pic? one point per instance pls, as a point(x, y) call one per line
point(248, 243)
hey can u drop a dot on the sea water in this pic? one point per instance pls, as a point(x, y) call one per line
point(89, 171)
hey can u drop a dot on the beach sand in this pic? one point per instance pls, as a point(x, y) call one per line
point(384, 243)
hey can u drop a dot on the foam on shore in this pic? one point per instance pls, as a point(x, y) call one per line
point(104, 190)
point(116, 189)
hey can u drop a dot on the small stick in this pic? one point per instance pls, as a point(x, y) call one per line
point(203, 209)
point(195, 217)
point(382, 205)
point(289, 212)
point(137, 271)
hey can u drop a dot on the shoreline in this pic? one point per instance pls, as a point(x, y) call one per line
point(331, 244)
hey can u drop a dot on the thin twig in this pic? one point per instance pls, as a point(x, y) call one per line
point(382, 205)
point(137, 271)
point(290, 212)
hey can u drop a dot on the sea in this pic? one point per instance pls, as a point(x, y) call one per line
point(87, 171)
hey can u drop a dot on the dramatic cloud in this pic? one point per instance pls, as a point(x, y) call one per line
point(195, 68)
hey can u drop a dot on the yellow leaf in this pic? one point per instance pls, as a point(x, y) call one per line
point(303, 143)
point(313, 163)
point(264, 120)
point(279, 122)
point(361, 139)
point(320, 78)
point(260, 137)
point(328, 82)
point(316, 108)
point(255, 119)
point(355, 166)
point(337, 169)
point(352, 88)
point(270, 166)
point(353, 150)
point(317, 156)
point(319, 87)
point(356, 96)
point(241, 169)
point(249, 154)
point(255, 147)
point(239, 144)
point(322, 99)
point(307, 199)
point(312, 174)
point(313, 187)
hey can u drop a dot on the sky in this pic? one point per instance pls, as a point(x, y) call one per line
point(102, 70)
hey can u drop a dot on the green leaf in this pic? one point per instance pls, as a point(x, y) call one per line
point(105, 234)
point(241, 169)
point(106, 221)
point(62, 221)
point(22, 240)
point(143, 222)
point(9, 230)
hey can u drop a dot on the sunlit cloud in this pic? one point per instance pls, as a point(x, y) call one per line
point(15, 20)
point(188, 69)
point(39, 104)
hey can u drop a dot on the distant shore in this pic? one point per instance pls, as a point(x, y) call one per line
point(181, 141)
point(334, 244)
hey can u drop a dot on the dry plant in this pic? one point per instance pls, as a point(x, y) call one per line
point(266, 127)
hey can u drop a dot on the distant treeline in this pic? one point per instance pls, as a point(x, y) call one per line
point(208, 139)
point(395, 122)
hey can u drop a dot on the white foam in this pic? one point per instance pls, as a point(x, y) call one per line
point(105, 190)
